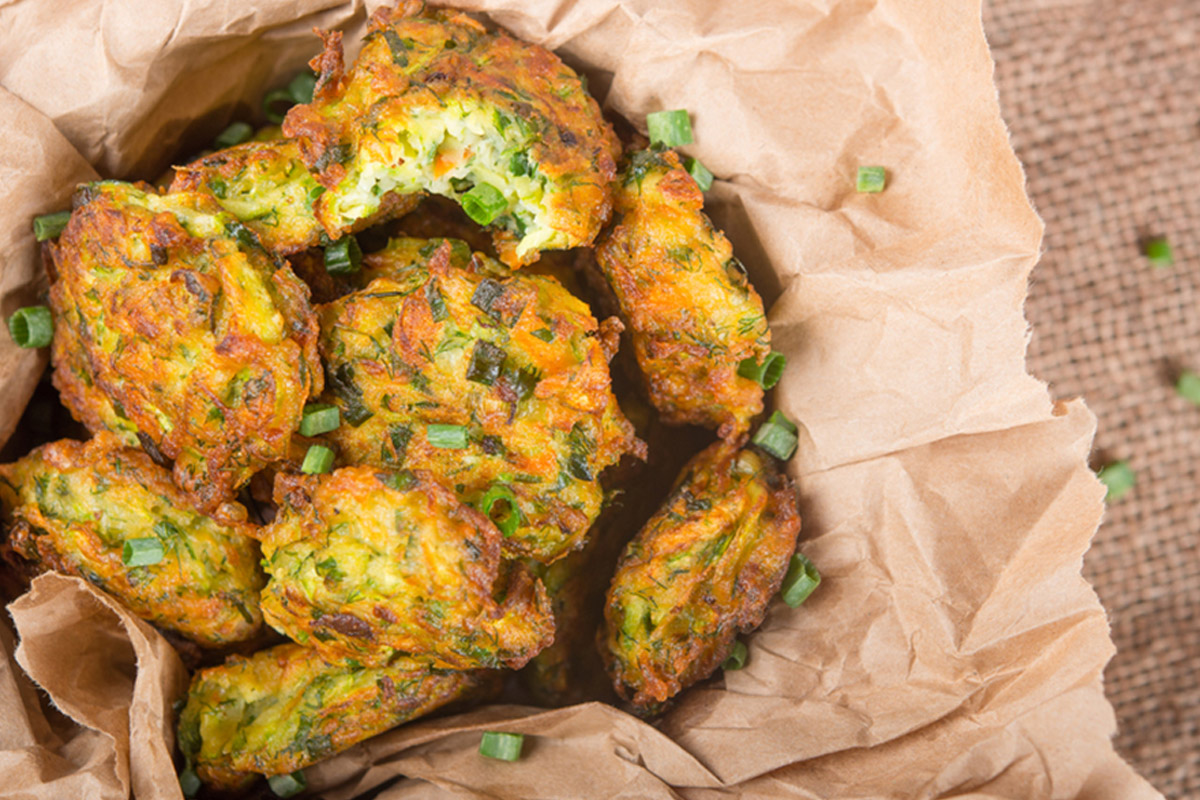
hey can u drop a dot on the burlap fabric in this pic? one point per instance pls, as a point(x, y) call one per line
point(1103, 100)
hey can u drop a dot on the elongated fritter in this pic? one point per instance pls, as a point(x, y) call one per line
point(75, 507)
point(497, 385)
point(692, 314)
point(436, 103)
point(702, 570)
point(267, 187)
point(283, 709)
point(369, 564)
point(174, 326)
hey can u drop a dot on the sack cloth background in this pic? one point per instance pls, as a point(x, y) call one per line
point(1102, 98)
point(954, 650)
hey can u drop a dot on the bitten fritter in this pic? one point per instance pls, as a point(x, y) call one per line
point(693, 315)
point(439, 217)
point(436, 103)
point(174, 326)
point(702, 570)
point(370, 564)
point(76, 507)
point(284, 709)
point(497, 384)
point(267, 187)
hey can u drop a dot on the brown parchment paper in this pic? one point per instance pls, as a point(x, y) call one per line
point(953, 649)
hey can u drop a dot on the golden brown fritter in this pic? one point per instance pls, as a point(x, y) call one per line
point(283, 709)
point(693, 315)
point(369, 564)
point(173, 325)
point(76, 507)
point(267, 187)
point(436, 103)
point(702, 570)
point(499, 386)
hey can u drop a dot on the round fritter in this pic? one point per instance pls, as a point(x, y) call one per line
point(170, 318)
point(702, 570)
point(267, 187)
point(283, 709)
point(436, 103)
point(693, 315)
point(370, 564)
point(499, 386)
point(76, 506)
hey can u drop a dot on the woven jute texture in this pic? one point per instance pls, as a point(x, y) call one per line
point(1103, 101)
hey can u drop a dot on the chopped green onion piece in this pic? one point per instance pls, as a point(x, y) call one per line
point(302, 86)
point(777, 436)
point(485, 295)
point(737, 656)
point(699, 172)
point(502, 746)
point(1119, 477)
point(447, 437)
point(49, 226)
point(1189, 387)
point(520, 381)
point(872, 179)
point(486, 361)
point(483, 203)
point(236, 133)
point(545, 334)
point(766, 374)
point(801, 579)
point(319, 418)
point(343, 257)
point(509, 516)
point(670, 128)
point(142, 552)
point(189, 782)
point(31, 326)
point(317, 461)
point(500, 498)
point(1158, 251)
point(299, 90)
point(287, 785)
point(272, 101)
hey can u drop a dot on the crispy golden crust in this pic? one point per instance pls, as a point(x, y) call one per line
point(517, 361)
point(701, 570)
point(434, 102)
point(172, 324)
point(369, 564)
point(693, 315)
point(74, 505)
point(267, 187)
point(283, 709)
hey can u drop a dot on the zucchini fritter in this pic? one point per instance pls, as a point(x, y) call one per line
point(267, 187)
point(370, 564)
point(173, 325)
point(494, 384)
point(692, 313)
point(75, 505)
point(283, 709)
point(702, 570)
point(436, 103)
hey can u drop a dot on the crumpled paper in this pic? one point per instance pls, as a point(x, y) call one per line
point(953, 649)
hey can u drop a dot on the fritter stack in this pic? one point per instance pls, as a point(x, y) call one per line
point(417, 481)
